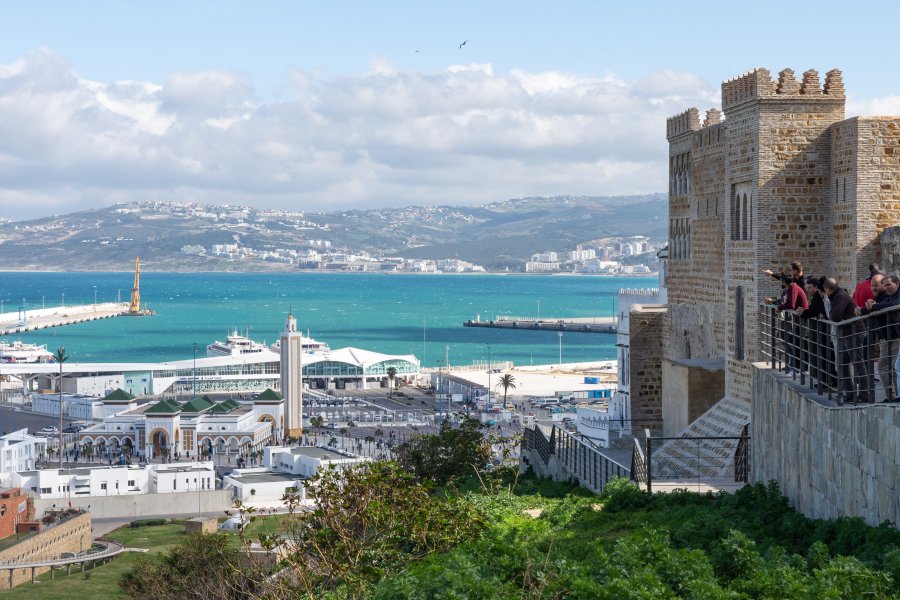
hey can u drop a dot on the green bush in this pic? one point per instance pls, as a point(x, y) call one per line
point(149, 522)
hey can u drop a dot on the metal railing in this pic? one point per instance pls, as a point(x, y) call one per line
point(837, 359)
point(578, 456)
point(586, 461)
point(714, 460)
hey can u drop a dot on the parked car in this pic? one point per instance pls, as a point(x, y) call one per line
point(71, 429)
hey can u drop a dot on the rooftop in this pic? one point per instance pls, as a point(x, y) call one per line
point(320, 453)
point(268, 477)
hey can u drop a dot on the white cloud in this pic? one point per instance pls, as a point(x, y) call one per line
point(383, 138)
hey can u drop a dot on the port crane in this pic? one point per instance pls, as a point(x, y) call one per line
point(135, 310)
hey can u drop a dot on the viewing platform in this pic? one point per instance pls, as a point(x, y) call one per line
point(582, 325)
point(13, 323)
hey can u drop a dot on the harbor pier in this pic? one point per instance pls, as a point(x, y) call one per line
point(583, 324)
point(13, 323)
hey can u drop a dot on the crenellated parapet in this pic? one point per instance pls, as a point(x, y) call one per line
point(681, 123)
point(713, 117)
point(758, 84)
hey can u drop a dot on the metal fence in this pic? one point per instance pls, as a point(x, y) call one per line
point(837, 359)
point(581, 458)
point(714, 460)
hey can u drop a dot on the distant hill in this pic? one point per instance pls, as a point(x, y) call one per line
point(163, 234)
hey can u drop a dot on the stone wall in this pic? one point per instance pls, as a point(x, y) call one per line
point(73, 535)
point(877, 187)
point(646, 324)
point(829, 461)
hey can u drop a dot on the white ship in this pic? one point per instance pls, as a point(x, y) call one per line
point(307, 344)
point(235, 345)
point(20, 352)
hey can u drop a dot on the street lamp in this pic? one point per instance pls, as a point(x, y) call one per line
point(559, 333)
point(95, 295)
point(489, 375)
point(539, 310)
point(194, 387)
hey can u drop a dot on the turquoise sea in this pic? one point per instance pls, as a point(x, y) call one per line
point(395, 314)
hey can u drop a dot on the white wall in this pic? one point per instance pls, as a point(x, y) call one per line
point(18, 451)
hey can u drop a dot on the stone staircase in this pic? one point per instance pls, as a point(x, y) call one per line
point(691, 458)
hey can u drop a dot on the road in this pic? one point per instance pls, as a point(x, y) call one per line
point(12, 419)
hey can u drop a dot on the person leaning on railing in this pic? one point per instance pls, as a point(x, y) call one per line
point(794, 298)
point(818, 355)
point(850, 340)
point(887, 295)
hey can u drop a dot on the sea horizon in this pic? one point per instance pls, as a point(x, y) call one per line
point(420, 315)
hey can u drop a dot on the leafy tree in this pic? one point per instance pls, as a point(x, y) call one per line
point(391, 373)
point(447, 455)
point(370, 520)
point(507, 382)
point(201, 566)
point(316, 421)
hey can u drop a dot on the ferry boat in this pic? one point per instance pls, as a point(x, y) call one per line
point(235, 345)
point(20, 352)
point(307, 344)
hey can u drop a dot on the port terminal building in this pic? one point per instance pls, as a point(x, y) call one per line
point(344, 368)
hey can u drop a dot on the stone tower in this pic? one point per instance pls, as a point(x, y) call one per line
point(292, 378)
point(748, 193)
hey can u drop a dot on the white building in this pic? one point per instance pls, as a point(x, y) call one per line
point(115, 480)
point(582, 255)
point(285, 469)
point(194, 428)
point(83, 408)
point(19, 451)
point(547, 257)
point(541, 267)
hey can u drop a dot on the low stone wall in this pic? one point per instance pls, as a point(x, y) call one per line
point(146, 505)
point(829, 461)
point(72, 535)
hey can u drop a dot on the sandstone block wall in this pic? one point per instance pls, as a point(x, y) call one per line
point(73, 535)
point(646, 324)
point(830, 462)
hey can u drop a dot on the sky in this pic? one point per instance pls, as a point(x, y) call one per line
point(336, 105)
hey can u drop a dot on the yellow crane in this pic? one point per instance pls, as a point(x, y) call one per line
point(135, 309)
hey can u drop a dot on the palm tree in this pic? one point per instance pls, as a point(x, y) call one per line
point(391, 373)
point(60, 357)
point(507, 382)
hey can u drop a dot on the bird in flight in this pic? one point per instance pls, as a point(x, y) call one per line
point(463, 44)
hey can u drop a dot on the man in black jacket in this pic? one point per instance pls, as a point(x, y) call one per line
point(886, 296)
point(849, 347)
point(818, 349)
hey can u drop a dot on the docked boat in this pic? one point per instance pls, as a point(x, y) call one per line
point(235, 345)
point(307, 344)
point(20, 352)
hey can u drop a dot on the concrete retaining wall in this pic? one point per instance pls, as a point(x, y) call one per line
point(145, 505)
point(829, 461)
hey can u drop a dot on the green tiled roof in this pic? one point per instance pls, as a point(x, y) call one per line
point(269, 395)
point(167, 406)
point(118, 395)
point(225, 407)
point(198, 405)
